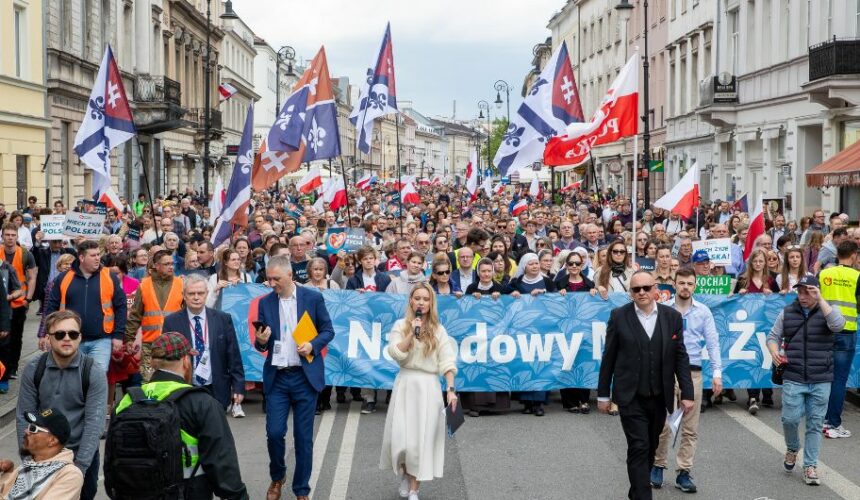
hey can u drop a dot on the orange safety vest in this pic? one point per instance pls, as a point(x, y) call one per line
point(18, 264)
point(153, 312)
point(106, 295)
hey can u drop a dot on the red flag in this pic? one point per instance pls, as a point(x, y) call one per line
point(409, 194)
point(334, 193)
point(684, 197)
point(616, 118)
point(269, 166)
point(520, 207)
point(756, 228)
point(310, 181)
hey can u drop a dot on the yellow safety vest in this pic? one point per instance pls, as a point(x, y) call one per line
point(839, 288)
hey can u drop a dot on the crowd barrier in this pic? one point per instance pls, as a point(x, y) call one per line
point(524, 344)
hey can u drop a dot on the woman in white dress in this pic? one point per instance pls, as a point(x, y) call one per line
point(413, 444)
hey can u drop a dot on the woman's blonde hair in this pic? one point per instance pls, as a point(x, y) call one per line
point(430, 321)
point(66, 258)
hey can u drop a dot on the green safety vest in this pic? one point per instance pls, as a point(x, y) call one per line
point(839, 288)
point(159, 391)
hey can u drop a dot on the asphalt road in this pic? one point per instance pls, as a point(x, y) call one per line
point(559, 456)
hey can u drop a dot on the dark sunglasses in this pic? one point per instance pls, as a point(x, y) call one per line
point(619, 252)
point(637, 289)
point(61, 334)
point(443, 273)
point(574, 263)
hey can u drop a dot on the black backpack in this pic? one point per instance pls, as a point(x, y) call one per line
point(144, 453)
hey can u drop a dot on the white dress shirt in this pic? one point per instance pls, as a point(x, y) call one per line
point(647, 320)
point(289, 319)
point(205, 328)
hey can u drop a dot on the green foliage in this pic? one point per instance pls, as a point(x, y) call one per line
point(499, 126)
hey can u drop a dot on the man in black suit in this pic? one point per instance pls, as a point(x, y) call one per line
point(218, 365)
point(643, 356)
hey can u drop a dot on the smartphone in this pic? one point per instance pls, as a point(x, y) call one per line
point(259, 325)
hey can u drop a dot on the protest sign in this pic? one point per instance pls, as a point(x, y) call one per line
point(133, 232)
point(714, 285)
point(524, 344)
point(92, 207)
point(52, 227)
point(342, 238)
point(87, 225)
point(719, 250)
point(646, 264)
point(666, 292)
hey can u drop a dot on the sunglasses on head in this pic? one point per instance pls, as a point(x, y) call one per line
point(645, 288)
point(61, 334)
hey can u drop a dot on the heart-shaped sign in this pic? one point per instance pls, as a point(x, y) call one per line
point(336, 240)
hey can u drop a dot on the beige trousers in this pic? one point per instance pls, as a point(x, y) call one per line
point(689, 430)
point(146, 369)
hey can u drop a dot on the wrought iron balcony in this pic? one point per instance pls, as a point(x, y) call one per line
point(834, 57)
point(157, 102)
point(198, 115)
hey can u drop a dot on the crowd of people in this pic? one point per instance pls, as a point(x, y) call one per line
point(108, 305)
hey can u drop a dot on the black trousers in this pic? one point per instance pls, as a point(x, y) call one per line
point(642, 420)
point(10, 347)
point(574, 397)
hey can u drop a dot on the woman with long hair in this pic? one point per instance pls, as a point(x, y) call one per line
point(813, 246)
point(413, 442)
point(793, 268)
point(318, 275)
point(663, 266)
point(641, 243)
point(243, 246)
point(440, 276)
point(574, 400)
point(139, 259)
point(501, 267)
point(499, 245)
point(410, 276)
point(614, 276)
point(344, 269)
point(230, 272)
point(774, 265)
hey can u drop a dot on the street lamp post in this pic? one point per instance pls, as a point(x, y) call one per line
point(500, 86)
point(624, 8)
point(482, 105)
point(285, 53)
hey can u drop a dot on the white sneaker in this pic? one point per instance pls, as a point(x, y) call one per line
point(403, 490)
point(237, 411)
point(845, 432)
point(835, 432)
point(413, 495)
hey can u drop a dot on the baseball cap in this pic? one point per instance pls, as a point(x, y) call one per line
point(28, 218)
point(701, 256)
point(808, 280)
point(54, 421)
point(172, 346)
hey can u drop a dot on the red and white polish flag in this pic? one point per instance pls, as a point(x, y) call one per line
point(227, 91)
point(311, 181)
point(756, 228)
point(684, 197)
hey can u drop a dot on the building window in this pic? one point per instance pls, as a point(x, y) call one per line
point(734, 39)
point(21, 182)
point(857, 21)
point(105, 22)
point(829, 27)
point(767, 42)
point(780, 146)
point(807, 16)
point(784, 40)
point(751, 29)
point(20, 41)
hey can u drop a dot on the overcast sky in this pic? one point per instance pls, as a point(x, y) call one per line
point(444, 50)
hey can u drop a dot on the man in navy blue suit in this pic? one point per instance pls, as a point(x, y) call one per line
point(290, 382)
point(218, 366)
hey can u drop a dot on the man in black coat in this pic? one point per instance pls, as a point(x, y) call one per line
point(46, 263)
point(643, 356)
point(211, 333)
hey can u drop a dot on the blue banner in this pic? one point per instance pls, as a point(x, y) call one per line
point(523, 344)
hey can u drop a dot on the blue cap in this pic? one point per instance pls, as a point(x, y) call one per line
point(808, 280)
point(701, 256)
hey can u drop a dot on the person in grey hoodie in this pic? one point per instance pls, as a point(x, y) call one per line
point(409, 277)
point(70, 384)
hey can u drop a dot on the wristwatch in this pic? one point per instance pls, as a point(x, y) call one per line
point(451, 389)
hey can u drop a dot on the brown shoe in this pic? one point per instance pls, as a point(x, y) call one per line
point(274, 492)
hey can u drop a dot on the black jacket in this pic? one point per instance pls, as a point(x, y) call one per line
point(202, 417)
point(620, 367)
point(5, 309)
point(43, 264)
point(228, 374)
point(84, 297)
point(561, 280)
point(809, 345)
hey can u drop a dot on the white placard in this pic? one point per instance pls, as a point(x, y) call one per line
point(90, 226)
point(52, 227)
point(719, 250)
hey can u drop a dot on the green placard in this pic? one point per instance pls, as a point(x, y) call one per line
point(714, 285)
point(655, 165)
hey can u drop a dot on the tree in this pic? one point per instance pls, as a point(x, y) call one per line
point(499, 126)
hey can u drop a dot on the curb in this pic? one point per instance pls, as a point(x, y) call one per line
point(7, 409)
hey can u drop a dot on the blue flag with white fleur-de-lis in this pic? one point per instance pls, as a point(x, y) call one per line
point(378, 97)
point(551, 104)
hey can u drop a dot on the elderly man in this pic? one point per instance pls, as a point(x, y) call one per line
point(48, 470)
point(737, 252)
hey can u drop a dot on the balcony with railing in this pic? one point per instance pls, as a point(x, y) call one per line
point(158, 105)
point(198, 115)
point(834, 73)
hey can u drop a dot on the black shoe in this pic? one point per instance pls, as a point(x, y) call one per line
point(718, 400)
point(359, 398)
point(527, 410)
point(573, 409)
point(730, 395)
point(538, 411)
point(767, 402)
point(473, 413)
point(368, 407)
point(318, 411)
point(704, 408)
point(341, 399)
point(584, 409)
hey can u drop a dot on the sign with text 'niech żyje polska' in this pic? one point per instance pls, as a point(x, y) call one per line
point(52, 227)
point(90, 226)
point(714, 285)
point(719, 250)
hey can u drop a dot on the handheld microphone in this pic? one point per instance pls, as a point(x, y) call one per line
point(417, 331)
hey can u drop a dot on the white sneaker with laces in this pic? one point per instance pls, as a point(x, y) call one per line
point(413, 495)
point(835, 432)
point(843, 431)
point(237, 411)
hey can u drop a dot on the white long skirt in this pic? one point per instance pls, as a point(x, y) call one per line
point(415, 426)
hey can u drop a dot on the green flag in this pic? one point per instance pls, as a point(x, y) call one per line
point(655, 165)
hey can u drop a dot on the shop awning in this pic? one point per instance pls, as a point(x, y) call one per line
point(843, 169)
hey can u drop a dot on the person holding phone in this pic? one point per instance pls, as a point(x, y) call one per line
point(421, 346)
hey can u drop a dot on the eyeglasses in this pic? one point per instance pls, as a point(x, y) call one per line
point(637, 289)
point(619, 252)
point(574, 264)
point(443, 273)
point(541, 244)
point(33, 429)
point(61, 334)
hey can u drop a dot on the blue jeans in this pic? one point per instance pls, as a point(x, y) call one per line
point(291, 390)
point(99, 350)
point(844, 346)
point(799, 400)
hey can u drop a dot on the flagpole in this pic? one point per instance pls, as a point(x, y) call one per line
point(594, 173)
point(634, 203)
point(345, 184)
point(146, 179)
point(399, 179)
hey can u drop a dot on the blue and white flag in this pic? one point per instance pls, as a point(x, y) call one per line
point(550, 106)
point(107, 123)
point(235, 211)
point(378, 96)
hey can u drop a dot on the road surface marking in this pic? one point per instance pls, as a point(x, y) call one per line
point(340, 483)
point(320, 447)
point(830, 478)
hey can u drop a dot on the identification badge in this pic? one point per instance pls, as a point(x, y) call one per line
point(279, 354)
point(204, 368)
